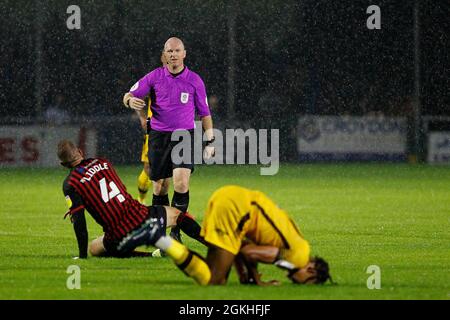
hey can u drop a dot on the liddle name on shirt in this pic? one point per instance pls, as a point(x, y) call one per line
point(93, 170)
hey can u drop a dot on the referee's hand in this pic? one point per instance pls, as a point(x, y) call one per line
point(209, 152)
point(136, 103)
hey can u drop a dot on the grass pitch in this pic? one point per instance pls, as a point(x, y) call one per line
point(396, 217)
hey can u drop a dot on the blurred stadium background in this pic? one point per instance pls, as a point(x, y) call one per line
point(266, 64)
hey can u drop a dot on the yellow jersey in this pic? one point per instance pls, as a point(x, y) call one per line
point(234, 213)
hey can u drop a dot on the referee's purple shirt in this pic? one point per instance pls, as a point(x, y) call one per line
point(177, 98)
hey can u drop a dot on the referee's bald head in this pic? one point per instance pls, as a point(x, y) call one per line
point(175, 54)
point(173, 41)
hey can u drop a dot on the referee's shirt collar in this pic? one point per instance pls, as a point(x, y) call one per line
point(182, 75)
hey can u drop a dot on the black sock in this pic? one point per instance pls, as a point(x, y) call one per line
point(162, 200)
point(187, 223)
point(180, 201)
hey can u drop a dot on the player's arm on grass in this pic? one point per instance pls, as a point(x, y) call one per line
point(247, 263)
point(79, 226)
point(245, 272)
point(76, 212)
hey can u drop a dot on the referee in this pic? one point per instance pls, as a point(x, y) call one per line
point(177, 94)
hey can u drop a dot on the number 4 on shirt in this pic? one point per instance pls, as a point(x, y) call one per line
point(115, 192)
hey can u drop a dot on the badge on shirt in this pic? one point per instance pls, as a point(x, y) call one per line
point(135, 86)
point(184, 97)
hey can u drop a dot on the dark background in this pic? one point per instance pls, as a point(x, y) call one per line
point(291, 57)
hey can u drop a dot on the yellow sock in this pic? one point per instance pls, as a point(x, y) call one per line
point(199, 270)
point(191, 264)
point(177, 251)
point(144, 184)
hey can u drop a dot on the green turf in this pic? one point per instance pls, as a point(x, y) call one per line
point(394, 216)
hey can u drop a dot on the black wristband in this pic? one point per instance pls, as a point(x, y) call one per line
point(210, 141)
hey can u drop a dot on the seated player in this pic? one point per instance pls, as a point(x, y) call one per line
point(234, 216)
point(94, 185)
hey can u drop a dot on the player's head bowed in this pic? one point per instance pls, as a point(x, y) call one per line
point(316, 271)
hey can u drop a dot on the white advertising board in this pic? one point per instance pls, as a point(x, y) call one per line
point(22, 146)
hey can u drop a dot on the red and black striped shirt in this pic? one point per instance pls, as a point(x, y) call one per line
point(95, 186)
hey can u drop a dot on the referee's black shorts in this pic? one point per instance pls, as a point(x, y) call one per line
point(160, 149)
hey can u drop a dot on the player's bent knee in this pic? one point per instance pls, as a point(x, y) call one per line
point(220, 262)
point(216, 281)
point(181, 186)
point(171, 216)
point(161, 187)
point(181, 179)
point(96, 247)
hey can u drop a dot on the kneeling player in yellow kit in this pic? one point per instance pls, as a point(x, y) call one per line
point(241, 227)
